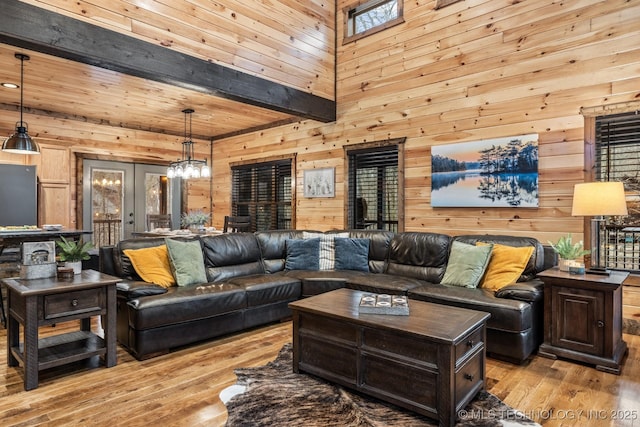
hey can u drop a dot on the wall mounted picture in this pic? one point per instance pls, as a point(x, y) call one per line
point(319, 182)
point(501, 172)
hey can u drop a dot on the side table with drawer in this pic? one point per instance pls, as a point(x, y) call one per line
point(42, 302)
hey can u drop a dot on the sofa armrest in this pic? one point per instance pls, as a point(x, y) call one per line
point(129, 290)
point(528, 291)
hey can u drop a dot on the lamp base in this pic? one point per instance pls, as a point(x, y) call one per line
point(598, 270)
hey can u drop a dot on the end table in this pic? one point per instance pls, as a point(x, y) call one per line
point(583, 318)
point(41, 302)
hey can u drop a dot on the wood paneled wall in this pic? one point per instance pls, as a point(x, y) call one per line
point(474, 70)
point(477, 69)
point(285, 41)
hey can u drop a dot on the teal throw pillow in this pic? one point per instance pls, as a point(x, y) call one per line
point(466, 265)
point(302, 254)
point(352, 254)
point(187, 262)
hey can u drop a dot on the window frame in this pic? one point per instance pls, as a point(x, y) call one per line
point(254, 203)
point(352, 149)
point(365, 6)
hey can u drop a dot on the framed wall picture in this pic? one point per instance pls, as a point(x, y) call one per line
point(319, 182)
point(501, 172)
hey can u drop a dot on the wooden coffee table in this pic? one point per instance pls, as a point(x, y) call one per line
point(431, 361)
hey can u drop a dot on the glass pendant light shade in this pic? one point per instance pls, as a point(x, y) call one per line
point(188, 167)
point(20, 142)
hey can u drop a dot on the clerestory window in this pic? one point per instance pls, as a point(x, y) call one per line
point(371, 17)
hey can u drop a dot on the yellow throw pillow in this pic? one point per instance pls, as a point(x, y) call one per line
point(505, 266)
point(152, 265)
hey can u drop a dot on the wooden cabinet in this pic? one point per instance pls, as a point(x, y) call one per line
point(583, 318)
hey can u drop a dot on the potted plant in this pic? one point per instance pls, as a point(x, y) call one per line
point(73, 253)
point(568, 251)
point(194, 220)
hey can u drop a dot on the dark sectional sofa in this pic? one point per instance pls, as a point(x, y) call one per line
point(249, 286)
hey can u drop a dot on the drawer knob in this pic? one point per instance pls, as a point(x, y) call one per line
point(600, 324)
point(468, 377)
point(74, 302)
point(470, 343)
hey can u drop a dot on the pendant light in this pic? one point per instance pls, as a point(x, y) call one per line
point(20, 142)
point(188, 167)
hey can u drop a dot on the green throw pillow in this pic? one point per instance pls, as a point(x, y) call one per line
point(466, 265)
point(187, 262)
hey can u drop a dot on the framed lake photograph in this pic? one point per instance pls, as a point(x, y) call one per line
point(319, 182)
point(501, 172)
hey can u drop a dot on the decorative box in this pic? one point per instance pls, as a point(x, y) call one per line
point(384, 304)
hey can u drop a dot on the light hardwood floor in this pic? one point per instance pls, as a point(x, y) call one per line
point(181, 388)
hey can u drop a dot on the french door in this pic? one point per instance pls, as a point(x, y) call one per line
point(117, 197)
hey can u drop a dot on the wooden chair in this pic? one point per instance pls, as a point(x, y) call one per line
point(233, 224)
point(158, 221)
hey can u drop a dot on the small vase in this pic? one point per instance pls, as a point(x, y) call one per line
point(564, 264)
point(76, 265)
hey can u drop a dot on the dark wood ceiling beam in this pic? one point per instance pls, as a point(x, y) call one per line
point(37, 29)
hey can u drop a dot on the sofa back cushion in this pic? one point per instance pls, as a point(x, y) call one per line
point(273, 245)
point(536, 262)
point(379, 242)
point(121, 262)
point(231, 255)
point(419, 255)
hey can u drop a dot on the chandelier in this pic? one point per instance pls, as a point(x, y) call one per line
point(188, 167)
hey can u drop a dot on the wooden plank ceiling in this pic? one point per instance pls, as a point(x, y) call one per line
point(126, 91)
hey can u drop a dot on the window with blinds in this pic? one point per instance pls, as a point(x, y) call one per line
point(373, 188)
point(617, 158)
point(263, 192)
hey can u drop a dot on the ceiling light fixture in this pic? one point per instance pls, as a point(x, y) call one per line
point(20, 142)
point(188, 167)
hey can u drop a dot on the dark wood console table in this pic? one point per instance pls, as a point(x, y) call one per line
point(431, 361)
point(41, 302)
point(583, 318)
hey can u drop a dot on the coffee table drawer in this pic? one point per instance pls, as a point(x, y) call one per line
point(470, 378)
point(469, 342)
point(73, 303)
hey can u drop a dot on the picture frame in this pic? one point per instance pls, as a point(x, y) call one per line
point(493, 173)
point(319, 182)
point(36, 253)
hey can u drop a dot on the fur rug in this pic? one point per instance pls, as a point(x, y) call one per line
point(275, 396)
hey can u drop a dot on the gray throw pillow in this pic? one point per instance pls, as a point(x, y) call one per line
point(187, 262)
point(302, 254)
point(466, 265)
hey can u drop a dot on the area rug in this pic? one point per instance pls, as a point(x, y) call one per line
point(273, 395)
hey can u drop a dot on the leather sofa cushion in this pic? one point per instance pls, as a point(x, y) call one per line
point(419, 255)
point(506, 314)
point(185, 304)
point(231, 255)
point(268, 288)
point(383, 283)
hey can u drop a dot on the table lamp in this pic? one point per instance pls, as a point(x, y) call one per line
point(597, 199)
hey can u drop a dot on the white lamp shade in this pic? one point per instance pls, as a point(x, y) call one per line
point(598, 199)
